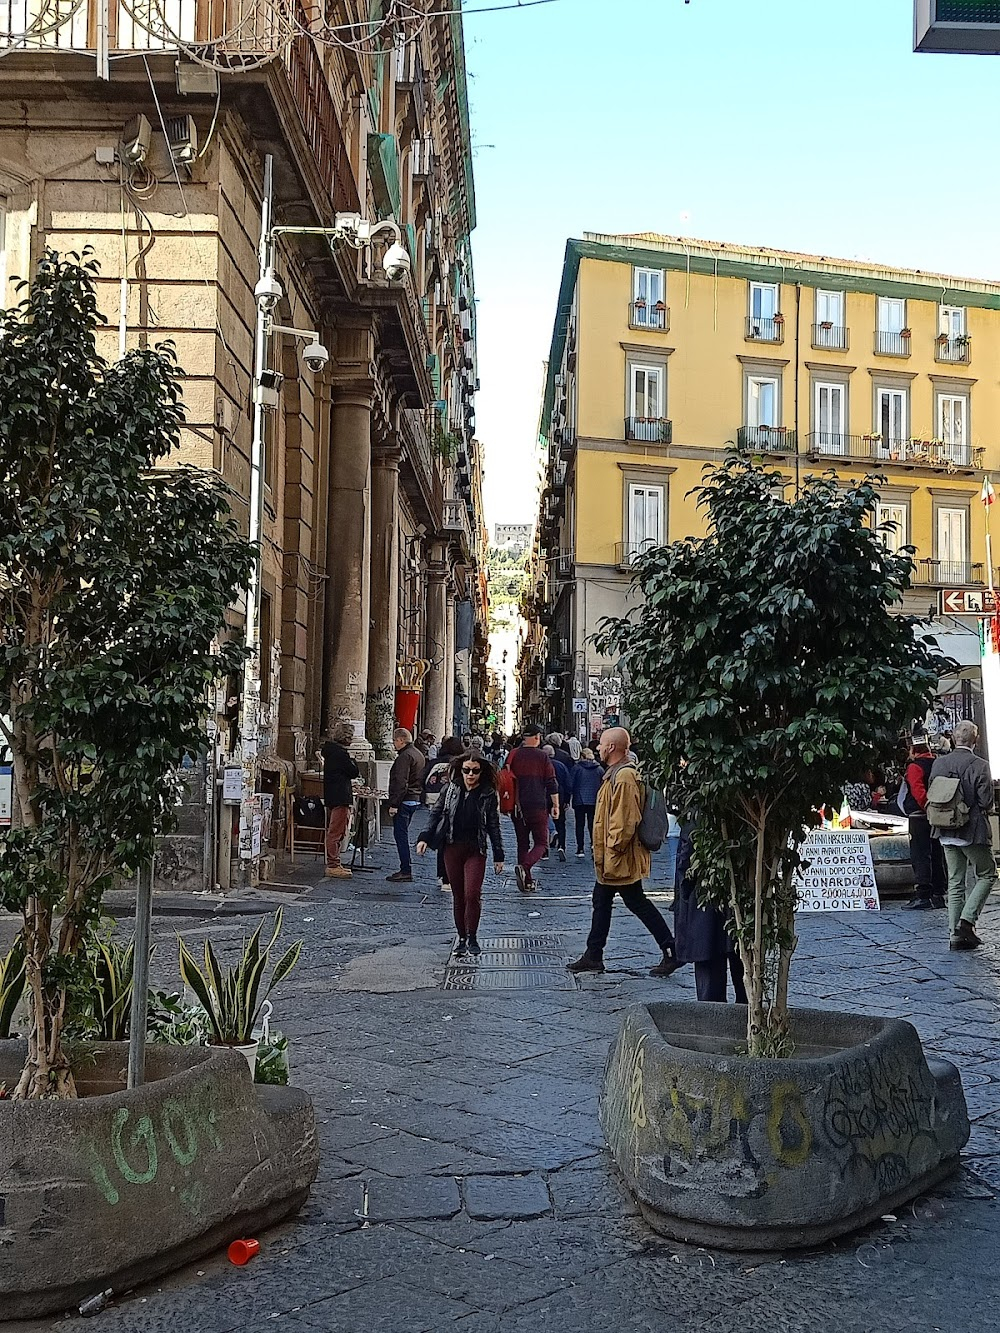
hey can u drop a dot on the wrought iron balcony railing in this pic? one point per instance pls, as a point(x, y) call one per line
point(644, 316)
point(766, 440)
point(627, 553)
point(913, 452)
point(891, 344)
point(651, 430)
point(956, 351)
point(948, 573)
point(831, 337)
point(765, 330)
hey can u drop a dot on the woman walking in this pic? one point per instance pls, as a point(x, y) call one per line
point(586, 781)
point(434, 784)
point(465, 822)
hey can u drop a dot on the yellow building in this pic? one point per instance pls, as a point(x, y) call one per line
point(666, 352)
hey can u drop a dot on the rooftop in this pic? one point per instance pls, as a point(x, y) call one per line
point(764, 255)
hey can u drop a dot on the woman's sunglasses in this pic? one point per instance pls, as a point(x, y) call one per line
point(472, 770)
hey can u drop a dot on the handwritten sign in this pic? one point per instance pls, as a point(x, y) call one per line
point(840, 877)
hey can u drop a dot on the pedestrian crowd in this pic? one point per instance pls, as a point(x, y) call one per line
point(468, 781)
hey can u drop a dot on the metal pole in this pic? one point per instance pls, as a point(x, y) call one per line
point(103, 40)
point(140, 976)
point(250, 727)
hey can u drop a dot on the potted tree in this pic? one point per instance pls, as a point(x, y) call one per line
point(768, 667)
point(118, 576)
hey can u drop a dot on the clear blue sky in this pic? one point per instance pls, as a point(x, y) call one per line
point(799, 124)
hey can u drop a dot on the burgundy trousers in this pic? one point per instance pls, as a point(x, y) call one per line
point(466, 868)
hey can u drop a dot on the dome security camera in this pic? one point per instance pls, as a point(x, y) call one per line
point(268, 292)
point(315, 356)
point(396, 262)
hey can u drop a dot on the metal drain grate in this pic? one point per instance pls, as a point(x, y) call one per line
point(512, 962)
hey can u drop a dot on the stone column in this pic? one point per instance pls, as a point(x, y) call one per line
point(383, 648)
point(348, 599)
point(436, 646)
point(449, 698)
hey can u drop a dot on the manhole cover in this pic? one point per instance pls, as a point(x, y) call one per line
point(512, 962)
point(502, 978)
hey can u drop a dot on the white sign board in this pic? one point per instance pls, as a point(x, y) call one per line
point(6, 795)
point(579, 705)
point(840, 877)
point(232, 785)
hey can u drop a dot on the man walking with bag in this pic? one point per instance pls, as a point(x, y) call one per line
point(537, 793)
point(959, 801)
point(620, 858)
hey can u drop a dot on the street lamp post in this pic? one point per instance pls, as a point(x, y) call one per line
point(360, 233)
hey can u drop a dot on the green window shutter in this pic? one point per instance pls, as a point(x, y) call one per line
point(383, 168)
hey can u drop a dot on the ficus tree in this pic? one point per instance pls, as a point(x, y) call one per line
point(115, 578)
point(769, 664)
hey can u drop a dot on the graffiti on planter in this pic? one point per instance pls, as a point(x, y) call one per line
point(788, 1129)
point(625, 1104)
point(136, 1148)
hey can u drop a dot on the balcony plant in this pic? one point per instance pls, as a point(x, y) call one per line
point(794, 676)
point(117, 579)
point(904, 333)
point(827, 324)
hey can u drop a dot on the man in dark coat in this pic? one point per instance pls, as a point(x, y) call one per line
point(930, 875)
point(700, 935)
point(339, 770)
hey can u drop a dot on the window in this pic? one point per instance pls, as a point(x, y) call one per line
point(647, 397)
point(829, 330)
point(891, 315)
point(762, 401)
point(648, 300)
point(830, 418)
point(952, 427)
point(645, 517)
point(264, 632)
point(891, 416)
point(952, 321)
point(891, 512)
point(763, 300)
point(952, 545)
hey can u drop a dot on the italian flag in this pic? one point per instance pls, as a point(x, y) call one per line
point(988, 495)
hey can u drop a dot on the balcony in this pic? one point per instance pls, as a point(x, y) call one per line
point(892, 344)
point(627, 553)
point(830, 337)
point(948, 573)
point(761, 330)
point(766, 440)
point(650, 430)
point(455, 522)
point(563, 566)
point(643, 316)
point(954, 351)
point(907, 453)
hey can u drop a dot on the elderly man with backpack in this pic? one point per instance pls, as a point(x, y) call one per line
point(630, 820)
point(959, 801)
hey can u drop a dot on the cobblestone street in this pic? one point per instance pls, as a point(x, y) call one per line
point(463, 1181)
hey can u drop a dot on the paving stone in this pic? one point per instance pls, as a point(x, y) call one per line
point(511, 1197)
point(413, 1198)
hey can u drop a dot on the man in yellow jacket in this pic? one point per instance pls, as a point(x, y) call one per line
point(621, 861)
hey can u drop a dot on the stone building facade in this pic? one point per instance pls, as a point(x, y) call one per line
point(141, 133)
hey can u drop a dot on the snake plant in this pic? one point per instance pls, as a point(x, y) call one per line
point(232, 996)
point(12, 983)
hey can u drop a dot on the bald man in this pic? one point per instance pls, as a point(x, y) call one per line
point(621, 861)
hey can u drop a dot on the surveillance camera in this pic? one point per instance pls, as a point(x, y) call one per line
point(316, 356)
point(135, 140)
point(268, 292)
point(396, 262)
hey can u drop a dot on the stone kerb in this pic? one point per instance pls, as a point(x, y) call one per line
point(118, 1187)
point(770, 1154)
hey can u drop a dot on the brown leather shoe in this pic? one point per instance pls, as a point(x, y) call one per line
point(337, 872)
point(666, 967)
point(965, 936)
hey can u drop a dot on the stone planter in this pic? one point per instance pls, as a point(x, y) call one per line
point(118, 1187)
point(770, 1154)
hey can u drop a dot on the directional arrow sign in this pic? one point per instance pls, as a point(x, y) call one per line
point(966, 602)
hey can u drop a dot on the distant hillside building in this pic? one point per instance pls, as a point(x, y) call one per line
point(514, 537)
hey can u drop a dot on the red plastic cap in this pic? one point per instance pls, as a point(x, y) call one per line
point(242, 1251)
